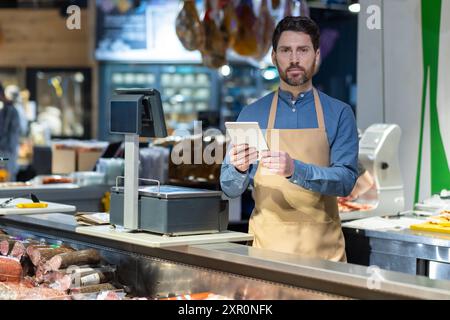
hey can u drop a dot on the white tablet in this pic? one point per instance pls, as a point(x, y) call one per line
point(247, 132)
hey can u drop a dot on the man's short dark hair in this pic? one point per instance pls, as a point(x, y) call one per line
point(298, 24)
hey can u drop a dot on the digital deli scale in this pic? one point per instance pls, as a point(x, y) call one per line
point(162, 211)
point(173, 210)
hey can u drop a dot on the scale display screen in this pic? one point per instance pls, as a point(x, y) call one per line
point(124, 117)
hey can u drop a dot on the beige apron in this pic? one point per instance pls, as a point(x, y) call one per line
point(287, 217)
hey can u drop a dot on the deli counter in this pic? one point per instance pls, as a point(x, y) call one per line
point(225, 269)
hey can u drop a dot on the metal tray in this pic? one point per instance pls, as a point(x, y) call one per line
point(172, 192)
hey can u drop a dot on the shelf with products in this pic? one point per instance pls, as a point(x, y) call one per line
point(183, 108)
point(241, 86)
point(133, 79)
point(189, 86)
point(173, 100)
point(185, 94)
point(186, 89)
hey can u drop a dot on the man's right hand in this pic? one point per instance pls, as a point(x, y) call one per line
point(242, 156)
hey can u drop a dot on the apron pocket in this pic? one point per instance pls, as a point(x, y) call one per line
point(299, 197)
point(308, 203)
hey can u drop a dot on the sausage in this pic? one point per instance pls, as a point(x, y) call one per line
point(40, 273)
point(33, 247)
point(93, 288)
point(10, 269)
point(18, 250)
point(50, 180)
point(6, 246)
point(42, 253)
point(64, 260)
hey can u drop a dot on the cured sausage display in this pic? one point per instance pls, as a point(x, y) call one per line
point(30, 269)
point(48, 271)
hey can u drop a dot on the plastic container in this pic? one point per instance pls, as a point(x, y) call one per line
point(88, 178)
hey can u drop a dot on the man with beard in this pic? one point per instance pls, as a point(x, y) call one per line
point(313, 142)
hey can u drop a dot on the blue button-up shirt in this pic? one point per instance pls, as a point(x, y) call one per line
point(339, 178)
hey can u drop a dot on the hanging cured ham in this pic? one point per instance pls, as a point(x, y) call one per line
point(287, 8)
point(246, 42)
point(304, 9)
point(215, 45)
point(189, 27)
point(229, 24)
point(275, 4)
point(265, 26)
point(123, 6)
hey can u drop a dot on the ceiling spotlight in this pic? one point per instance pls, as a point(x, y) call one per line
point(225, 70)
point(269, 74)
point(354, 7)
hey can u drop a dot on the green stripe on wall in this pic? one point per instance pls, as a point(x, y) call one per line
point(440, 173)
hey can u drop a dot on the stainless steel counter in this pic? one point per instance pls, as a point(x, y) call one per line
point(233, 270)
point(390, 244)
point(395, 230)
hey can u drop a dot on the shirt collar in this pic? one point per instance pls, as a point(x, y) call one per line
point(287, 96)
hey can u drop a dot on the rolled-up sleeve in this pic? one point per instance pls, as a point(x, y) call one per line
point(340, 177)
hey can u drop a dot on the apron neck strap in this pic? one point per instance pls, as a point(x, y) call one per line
point(319, 111)
point(274, 106)
point(273, 111)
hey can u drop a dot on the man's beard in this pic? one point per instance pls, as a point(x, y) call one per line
point(295, 81)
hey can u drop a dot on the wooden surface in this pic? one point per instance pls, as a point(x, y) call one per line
point(52, 207)
point(154, 240)
point(34, 37)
